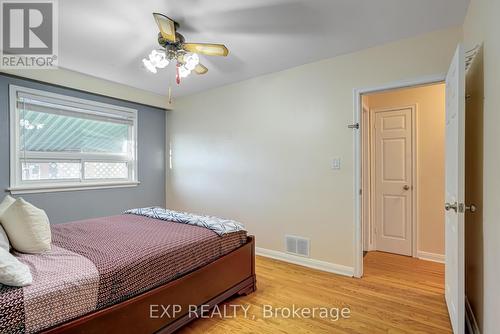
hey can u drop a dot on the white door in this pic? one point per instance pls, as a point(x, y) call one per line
point(393, 163)
point(455, 184)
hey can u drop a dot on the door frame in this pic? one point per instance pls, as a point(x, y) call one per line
point(357, 113)
point(414, 173)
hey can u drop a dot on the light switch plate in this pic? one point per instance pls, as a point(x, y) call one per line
point(336, 163)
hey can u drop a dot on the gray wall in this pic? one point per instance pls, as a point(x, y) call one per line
point(74, 205)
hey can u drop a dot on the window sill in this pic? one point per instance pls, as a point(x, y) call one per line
point(34, 189)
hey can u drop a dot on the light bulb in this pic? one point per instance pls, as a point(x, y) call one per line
point(190, 66)
point(154, 53)
point(149, 65)
point(191, 60)
point(184, 72)
point(163, 62)
point(152, 60)
point(158, 59)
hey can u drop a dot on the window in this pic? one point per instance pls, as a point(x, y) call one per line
point(64, 143)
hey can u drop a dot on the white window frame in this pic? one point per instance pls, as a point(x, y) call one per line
point(84, 107)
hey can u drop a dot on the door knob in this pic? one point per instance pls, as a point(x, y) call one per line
point(406, 187)
point(451, 206)
point(471, 208)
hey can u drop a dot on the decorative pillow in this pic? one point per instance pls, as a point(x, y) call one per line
point(13, 272)
point(27, 227)
point(6, 202)
point(4, 240)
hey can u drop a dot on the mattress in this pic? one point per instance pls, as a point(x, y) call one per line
point(100, 262)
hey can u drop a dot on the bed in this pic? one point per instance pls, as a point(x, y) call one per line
point(110, 274)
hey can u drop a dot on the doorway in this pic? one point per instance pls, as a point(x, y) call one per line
point(402, 171)
point(455, 204)
point(391, 166)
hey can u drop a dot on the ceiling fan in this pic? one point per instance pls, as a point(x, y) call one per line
point(175, 49)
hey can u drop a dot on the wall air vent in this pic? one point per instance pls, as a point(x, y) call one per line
point(297, 245)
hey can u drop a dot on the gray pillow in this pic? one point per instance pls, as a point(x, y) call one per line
point(4, 240)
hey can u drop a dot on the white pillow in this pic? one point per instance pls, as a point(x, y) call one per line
point(27, 227)
point(6, 202)
point(13, 272)
point(4, 240)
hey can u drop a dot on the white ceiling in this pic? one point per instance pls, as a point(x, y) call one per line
point(108, 39)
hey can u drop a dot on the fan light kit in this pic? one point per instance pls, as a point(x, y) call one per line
point(175, 50)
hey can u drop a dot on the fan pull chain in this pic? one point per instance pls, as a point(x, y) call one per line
point(169, 94)
point(177, 75)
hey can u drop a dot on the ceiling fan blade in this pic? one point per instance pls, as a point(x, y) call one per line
point(206, 49)
point(166, 26)
point(200, 69)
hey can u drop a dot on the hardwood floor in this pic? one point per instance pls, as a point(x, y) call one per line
point(397, 295)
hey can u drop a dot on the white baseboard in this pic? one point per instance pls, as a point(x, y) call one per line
point(470, 319)
point(306, 262)
point(434, 257)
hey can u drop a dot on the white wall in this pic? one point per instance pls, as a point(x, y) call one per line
point(260, 150)
point(482, 26)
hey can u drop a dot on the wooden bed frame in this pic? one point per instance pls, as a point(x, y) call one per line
point(232, 274)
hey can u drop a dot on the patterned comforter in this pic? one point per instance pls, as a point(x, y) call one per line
point(100, 262)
